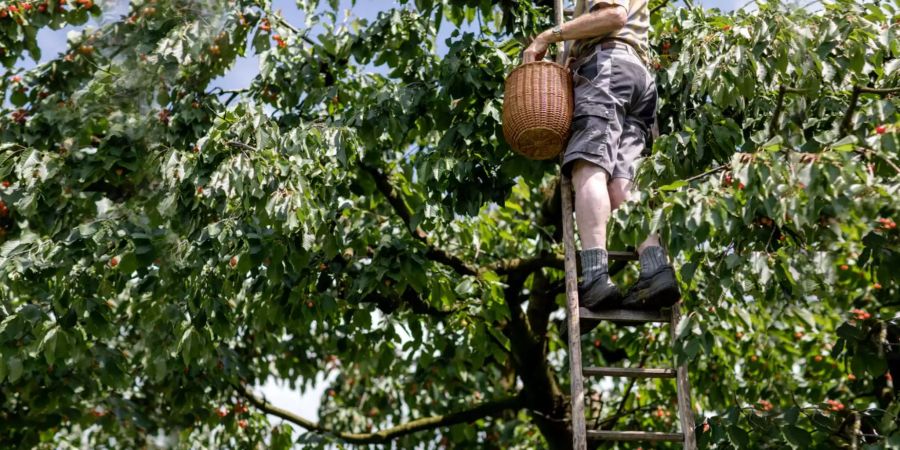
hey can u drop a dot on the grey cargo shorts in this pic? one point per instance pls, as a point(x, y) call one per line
point(615, 107)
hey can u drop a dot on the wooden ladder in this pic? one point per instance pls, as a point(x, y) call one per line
point(576, 315)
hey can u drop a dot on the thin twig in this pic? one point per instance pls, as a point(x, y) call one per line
point(707, 173)
point(867, 152)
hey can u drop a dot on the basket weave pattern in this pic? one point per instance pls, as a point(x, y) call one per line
point(537, 109)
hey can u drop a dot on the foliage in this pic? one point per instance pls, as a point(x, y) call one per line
point(164, 249)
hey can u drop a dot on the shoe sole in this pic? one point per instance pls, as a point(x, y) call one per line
point(611, 300)
point(662, 292)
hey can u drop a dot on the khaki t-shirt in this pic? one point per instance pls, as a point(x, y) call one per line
point(635, 32)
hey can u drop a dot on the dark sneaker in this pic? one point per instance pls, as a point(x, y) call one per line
point(655, 291)
point(595, 295)
point(599, 293)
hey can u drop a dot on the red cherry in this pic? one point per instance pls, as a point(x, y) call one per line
point(5, 183)
point(881, 129)
point(199, 190)
point(242, 423)
point(3, 13)
point(42, 7)
point(726, 28)
point(706, 427)
point(845, 267)
point(13, 9)
point(233, 262)
point(114, 261)
point(818, 358)
point(26, 6)
point(876, 286)
point(741, 186)
point(222, 411)
point(597, 343)
point(851, 377)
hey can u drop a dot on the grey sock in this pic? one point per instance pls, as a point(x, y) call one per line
point(594, 264)
point(652, 259)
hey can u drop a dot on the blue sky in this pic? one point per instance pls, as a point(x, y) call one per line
point(53, 42)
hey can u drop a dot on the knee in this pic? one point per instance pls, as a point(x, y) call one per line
point(584, 173)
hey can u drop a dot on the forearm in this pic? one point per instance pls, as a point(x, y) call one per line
point(597, 23)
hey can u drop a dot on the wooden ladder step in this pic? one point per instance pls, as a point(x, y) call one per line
point(603, 435)
point(622, 256)
point(625, 315)
point(630, 372)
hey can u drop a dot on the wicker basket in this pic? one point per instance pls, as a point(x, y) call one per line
point(537, 109)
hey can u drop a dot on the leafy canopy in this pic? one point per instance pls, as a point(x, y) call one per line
point(354, 212)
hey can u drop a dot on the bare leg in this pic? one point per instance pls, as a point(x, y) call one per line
point(656, 287)
point(592, 211)
point(592, 206)
point(620, 192)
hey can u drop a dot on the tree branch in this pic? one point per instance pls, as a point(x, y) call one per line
point(848, 117)
point(619, 411)
point(659, 7)
point(241, 145)
point(436, 254)
point(779, 105)
point(879, 91)
point(409, 297)
point(480, 411)
point(524, 266)
point(541, 393)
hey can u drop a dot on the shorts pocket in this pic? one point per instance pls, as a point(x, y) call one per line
point(589, 69)
point(590, 134)
point(587, 108)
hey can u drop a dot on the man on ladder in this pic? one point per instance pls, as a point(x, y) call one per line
point(615, 107)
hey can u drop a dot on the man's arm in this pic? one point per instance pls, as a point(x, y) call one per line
point(609, 17)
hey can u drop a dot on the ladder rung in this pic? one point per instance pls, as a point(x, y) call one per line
point(634, 436)
point(630, 372)
point(625, 315)
point(622, 256)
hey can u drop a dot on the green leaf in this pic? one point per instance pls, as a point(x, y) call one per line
point(797, 436)
point(13, 368)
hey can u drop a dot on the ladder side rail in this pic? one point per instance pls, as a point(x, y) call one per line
point(579, 434)
point(685, 410)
